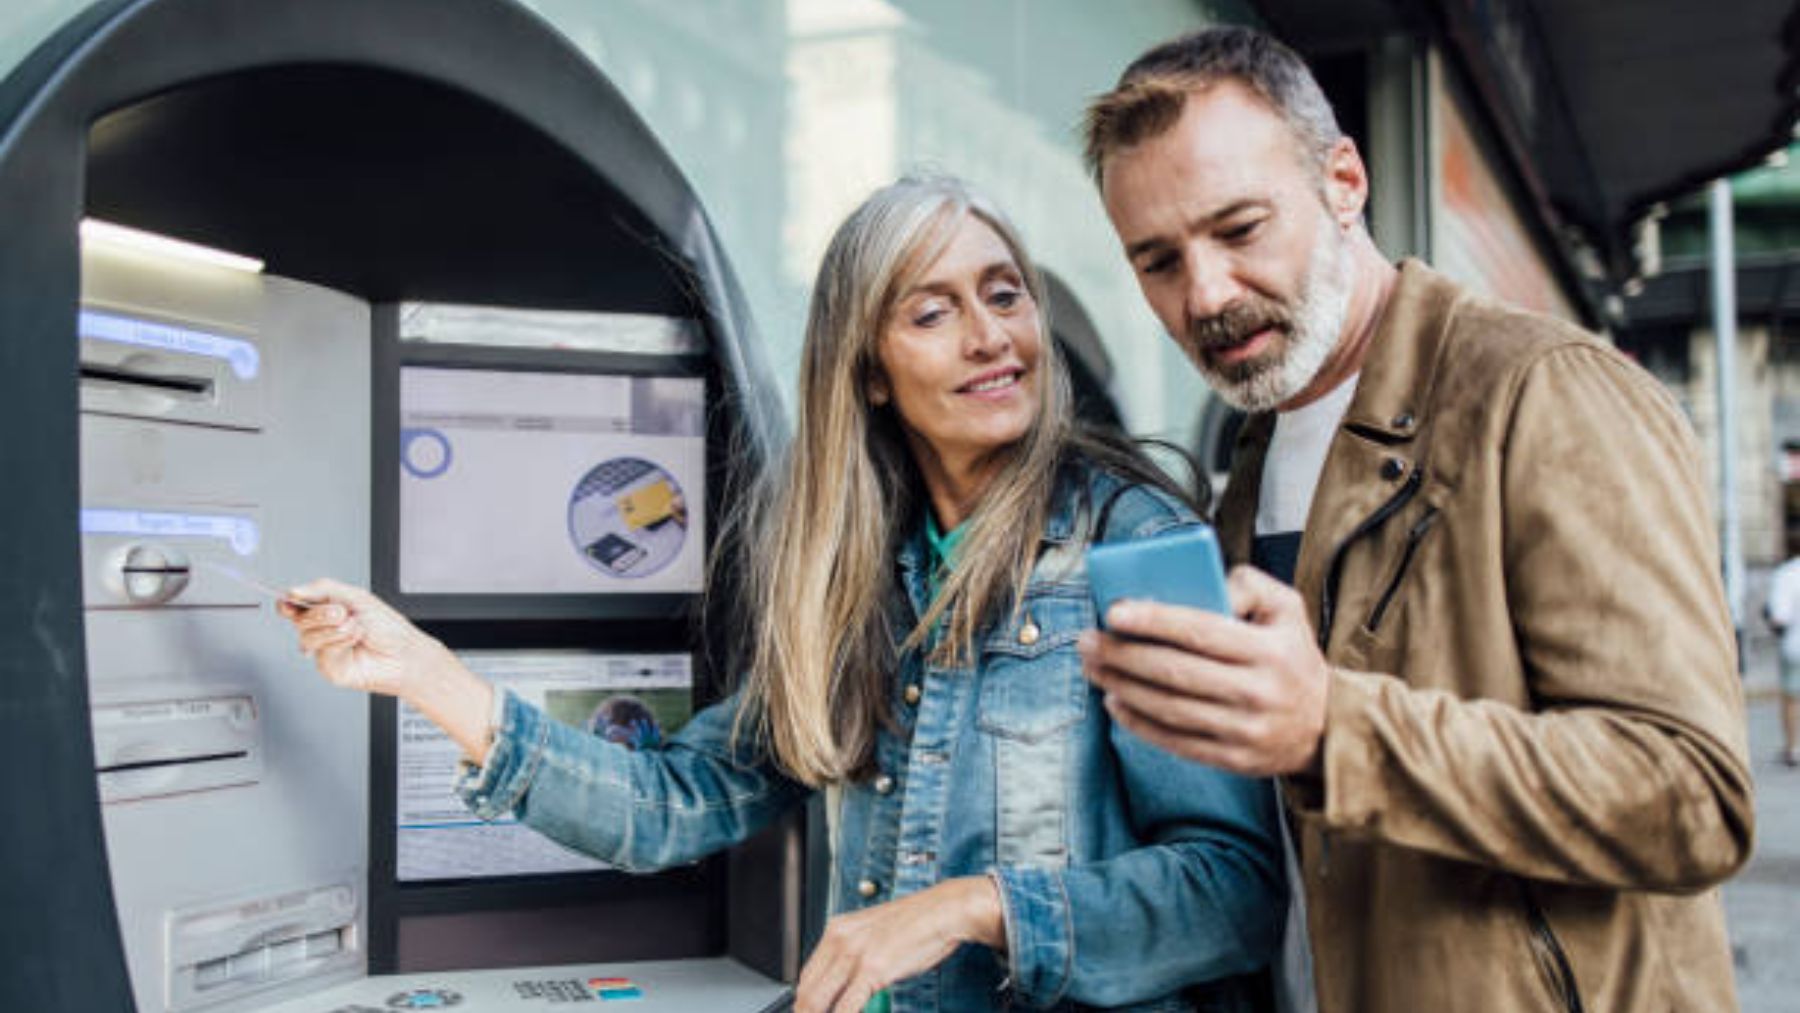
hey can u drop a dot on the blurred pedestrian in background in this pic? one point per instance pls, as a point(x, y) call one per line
point(1782, 610)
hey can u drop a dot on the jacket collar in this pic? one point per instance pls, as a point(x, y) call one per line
point(1394, 391)
point(1384, 423)
point(1067, 503)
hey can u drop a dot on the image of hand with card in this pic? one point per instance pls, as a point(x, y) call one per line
point(1179, 568)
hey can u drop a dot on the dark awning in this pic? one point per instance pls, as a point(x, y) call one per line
point(1606, 106)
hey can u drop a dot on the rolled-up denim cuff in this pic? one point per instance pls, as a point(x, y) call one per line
point(1040, 941)
point(496, 787)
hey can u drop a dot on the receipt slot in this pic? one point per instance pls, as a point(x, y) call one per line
point(213, 826)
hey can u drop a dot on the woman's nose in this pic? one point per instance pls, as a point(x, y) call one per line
point(986, 335)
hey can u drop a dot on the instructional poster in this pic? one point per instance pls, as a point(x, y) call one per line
point(551, 483)
point(635, 700)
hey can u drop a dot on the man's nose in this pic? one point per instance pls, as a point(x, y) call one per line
point(1210, 288)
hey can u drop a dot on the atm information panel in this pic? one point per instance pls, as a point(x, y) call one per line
point(551, 483)
point(543, 491)
point(636, 700)
point(516, 481)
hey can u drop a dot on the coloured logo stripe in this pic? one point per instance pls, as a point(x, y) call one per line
point(613, 989)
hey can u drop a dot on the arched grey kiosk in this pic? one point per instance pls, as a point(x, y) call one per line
point(493, 363)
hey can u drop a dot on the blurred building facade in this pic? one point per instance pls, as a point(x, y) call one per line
point(1669, 328)
point(1515, 144)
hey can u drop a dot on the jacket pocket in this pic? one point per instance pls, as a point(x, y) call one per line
point(1414, 536)
point(1553, 961)
point(1031, 682)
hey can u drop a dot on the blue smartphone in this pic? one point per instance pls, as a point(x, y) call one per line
point(1180, 568)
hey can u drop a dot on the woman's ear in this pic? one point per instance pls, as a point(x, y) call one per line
point(879, 394)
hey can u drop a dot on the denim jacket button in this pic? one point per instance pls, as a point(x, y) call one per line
point(884, 785)
point(1028, 633)
point(867, 889)
point(912, 694)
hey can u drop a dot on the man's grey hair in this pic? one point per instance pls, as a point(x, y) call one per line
point(1152, 92)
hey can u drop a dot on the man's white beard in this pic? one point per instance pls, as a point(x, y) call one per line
point(1318, 314)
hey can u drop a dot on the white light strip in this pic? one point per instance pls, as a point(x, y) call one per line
point(94, 230)
point(241, 532)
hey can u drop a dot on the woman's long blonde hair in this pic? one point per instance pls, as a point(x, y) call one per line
point(819, 539)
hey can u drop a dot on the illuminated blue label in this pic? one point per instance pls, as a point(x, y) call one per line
point(102, 326)
point(240, 532)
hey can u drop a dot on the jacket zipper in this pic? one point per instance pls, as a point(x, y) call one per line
point(1328, 596)
point(1414, 536)
point(1568, 988)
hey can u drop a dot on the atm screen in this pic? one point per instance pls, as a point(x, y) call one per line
point(637, 700)
point(550, 483)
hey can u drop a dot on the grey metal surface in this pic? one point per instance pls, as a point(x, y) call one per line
point(669, 986)
point(206, 854)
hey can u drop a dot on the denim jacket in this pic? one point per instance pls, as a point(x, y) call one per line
point(1126, 874)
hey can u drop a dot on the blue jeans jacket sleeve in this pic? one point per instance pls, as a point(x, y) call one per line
point(638, 810)
point(1204, 901)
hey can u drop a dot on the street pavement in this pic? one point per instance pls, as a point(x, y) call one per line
point(1762, 903)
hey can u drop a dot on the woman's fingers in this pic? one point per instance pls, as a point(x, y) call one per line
point(316, 640)
point(317, 617)
point(855, 996)
point(823, 978)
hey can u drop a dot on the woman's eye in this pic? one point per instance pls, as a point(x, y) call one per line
point(1005, 298)
point(930, 316)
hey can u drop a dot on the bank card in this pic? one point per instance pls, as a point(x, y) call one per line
point(256, 584)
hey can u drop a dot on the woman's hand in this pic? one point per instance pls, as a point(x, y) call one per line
point(865, 952)
point(359, 642)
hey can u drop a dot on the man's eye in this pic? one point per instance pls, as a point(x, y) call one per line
point(1240, 233)
point(1158, 263)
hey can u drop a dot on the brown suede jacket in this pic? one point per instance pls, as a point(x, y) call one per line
point(1533, 774)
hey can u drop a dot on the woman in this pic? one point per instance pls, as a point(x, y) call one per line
point(915, 586)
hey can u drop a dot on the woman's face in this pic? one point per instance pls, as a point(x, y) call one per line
point(960, 351)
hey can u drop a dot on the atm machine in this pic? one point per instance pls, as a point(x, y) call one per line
point(401, 292)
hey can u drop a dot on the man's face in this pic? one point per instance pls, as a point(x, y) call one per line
point(1228, 228)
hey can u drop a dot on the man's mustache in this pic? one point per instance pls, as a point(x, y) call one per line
point(1235, 323)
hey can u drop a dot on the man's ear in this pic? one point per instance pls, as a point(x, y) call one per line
point(1346, 183)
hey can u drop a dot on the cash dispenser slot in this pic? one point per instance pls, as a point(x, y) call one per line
point(221, 952)
point(151, 748)
point(198, 388)
point(139, 366)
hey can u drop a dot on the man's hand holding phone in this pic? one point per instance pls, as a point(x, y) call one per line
point(1243, 689)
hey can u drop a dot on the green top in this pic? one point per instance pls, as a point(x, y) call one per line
point(940, 552)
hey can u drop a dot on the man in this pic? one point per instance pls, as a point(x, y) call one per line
point(1782, 610)
point(1501, 695)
